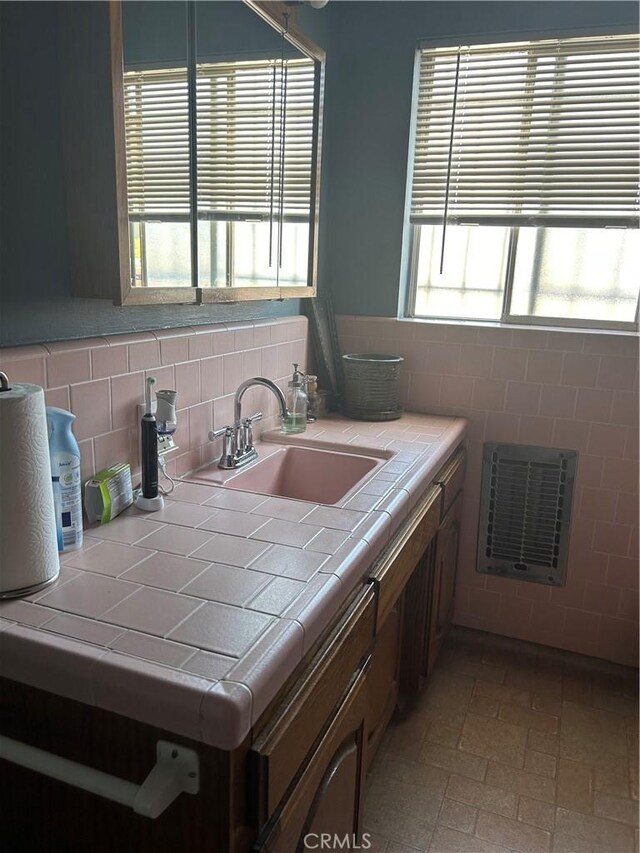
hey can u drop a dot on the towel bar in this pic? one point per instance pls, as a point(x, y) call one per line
point(177, 770)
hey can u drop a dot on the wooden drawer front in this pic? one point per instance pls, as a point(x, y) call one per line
point(451, 478)
point(283, 746)
point(396, 565)
point(383, 679)
point(327, 798)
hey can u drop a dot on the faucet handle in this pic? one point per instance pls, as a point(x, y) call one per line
point(247, 431)
point(217, 433)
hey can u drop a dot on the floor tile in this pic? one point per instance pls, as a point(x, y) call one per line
point(580, 833)
point(537, 813)
point(575, 785)
point(528, 718)
point(486, 797)
point(527, 784)
point(458, 816)
point(494, 739)
point(447, 840)
point(616, 808)
point(512, 833)
point(453, 760)
point(540, 763)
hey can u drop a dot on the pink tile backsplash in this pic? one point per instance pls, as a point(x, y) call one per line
point(102, 379)
point(575, 390)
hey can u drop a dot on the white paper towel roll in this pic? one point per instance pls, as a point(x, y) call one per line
point(28, 543)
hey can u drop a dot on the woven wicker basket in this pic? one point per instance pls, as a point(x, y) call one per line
point(372, 386)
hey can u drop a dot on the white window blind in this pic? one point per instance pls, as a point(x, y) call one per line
point(156, 110)
point(254, 140)
point(542, 133)
point(255, 134)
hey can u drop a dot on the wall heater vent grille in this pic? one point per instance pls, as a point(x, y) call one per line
point(525, 512)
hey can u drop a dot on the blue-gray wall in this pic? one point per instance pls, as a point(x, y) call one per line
point(371, 48)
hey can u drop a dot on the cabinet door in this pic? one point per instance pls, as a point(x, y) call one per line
point(383, 678)
point(444, 579)
point(327, 797)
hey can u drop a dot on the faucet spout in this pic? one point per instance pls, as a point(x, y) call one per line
point(266, 383)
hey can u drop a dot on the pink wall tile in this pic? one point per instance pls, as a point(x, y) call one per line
point(593, 404)
point(625, 408)
point(618, 373)
point(31, 369)
point(211, 378)
point(91, 404)
point(144, 355)
point(489, 394)
point(607, 439)
point(476, 361)
point(509, 363)
point(523, 398)
point(65, 368)
point(58, 397)
point(544, 366)
point(200, 345)
point(612, 538)
point(558, 402)
point(535, 430)
point(188, 383)
point(599, 504)
point(112, 448)
point(173, 348)
point(580, 369)
point(231, 372)
point(126, 392)
point(109, 361)
point(223, 342)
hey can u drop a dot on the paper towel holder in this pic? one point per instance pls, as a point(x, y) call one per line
point(4, 382)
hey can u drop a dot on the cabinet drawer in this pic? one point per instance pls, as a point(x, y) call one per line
point(281, 748)
point(451, 478)
point(328, 795)
point(392, 571)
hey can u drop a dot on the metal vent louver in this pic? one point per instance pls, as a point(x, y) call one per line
point(525, 512)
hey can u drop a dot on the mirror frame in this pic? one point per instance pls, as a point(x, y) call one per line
point(281, 17)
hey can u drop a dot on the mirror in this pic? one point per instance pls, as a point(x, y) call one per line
point(222, 117)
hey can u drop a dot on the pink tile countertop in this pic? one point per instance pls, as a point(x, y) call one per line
point(192, 618)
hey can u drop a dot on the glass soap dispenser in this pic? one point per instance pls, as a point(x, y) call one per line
point(297, 401)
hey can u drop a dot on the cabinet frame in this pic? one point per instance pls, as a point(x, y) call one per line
point(281, 17)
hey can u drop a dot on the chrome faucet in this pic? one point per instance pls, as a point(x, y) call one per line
point(238, 448)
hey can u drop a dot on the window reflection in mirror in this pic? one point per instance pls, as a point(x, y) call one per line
point(254, 151)
point(253, 148)
point(156, 111)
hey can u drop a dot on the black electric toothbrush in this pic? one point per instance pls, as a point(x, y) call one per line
point(149, 499)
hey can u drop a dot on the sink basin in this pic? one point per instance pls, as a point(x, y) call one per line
point(302, 473)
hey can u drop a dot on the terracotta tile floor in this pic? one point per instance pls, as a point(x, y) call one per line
point(511, 747)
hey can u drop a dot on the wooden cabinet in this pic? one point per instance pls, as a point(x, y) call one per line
point(281, 748)
point(327, 797)
point(444, 580)
point(383, 679)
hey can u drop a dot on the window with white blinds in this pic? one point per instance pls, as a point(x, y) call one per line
point(525, 183)
point(529, 133)
point(254, 141)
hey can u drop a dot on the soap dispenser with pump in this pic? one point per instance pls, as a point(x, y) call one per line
point(297, 402)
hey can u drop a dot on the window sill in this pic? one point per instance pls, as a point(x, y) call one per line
point(537, 327)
